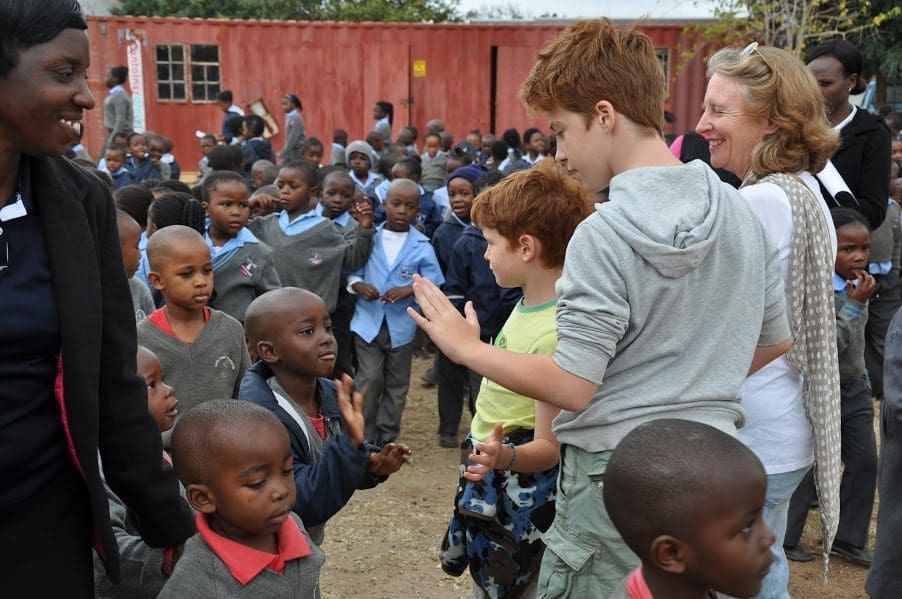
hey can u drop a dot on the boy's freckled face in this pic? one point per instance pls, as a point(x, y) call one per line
point(359, 164)
point(304, 340)
point(401, 208)
point(252, 484)
point(504, 262)
point(731, 551)
point(161, 402)
point(186, 277)
point(228, 208)
point(460, 195)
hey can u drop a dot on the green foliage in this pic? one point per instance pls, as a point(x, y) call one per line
point(314, 10)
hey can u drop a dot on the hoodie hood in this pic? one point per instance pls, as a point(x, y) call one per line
point(682, 234)
point(472, 230)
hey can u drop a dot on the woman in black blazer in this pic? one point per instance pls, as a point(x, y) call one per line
point(68, 387)
point(863, 158)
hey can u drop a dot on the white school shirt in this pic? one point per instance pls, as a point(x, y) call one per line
point(392, 242)
point(776, 428)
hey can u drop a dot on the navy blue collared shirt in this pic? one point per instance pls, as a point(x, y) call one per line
point(32, 441)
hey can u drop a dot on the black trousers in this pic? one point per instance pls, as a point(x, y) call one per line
point(859, 478)
point(881, 309)
point(454, 383)
point(47, 541)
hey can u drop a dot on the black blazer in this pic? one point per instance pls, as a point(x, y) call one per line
point(863, 160)
point(105, 400)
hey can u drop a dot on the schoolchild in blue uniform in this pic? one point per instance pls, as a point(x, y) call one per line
point(139, 164)
point(383, 332)
point(429, 217)
point(115, 163)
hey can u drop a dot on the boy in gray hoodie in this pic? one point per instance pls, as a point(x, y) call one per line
point(670, 296)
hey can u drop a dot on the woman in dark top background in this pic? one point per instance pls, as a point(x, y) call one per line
point(863, 157)
point(68, 386)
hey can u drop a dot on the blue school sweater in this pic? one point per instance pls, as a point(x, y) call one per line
point(122, 177)
point(416, 257)
point(143, 171)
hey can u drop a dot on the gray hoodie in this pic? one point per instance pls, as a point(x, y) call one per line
point(667, 290)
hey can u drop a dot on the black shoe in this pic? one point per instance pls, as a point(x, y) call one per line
point(430, 377)
point(449, 441)
point(797, 553)
point(856, 555)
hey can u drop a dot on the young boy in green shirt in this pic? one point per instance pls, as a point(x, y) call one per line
point(527, 220)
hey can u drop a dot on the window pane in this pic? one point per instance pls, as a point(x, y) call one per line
point(204, 53)
point(162, 52)
point(178, 53)
point(178, 91)
point(197, 73)
point(178, 72)
point(162, 72)
point(212, 73)
point(163, 91)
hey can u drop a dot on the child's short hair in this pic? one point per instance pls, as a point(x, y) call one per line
point(224, 96)
point(226, 158)
point(542, 201)
point(255, 124)
point(205, 431)
point(177, 209)
point(412, 165)
point(314, 142)
point(208, 137)
point(171, 185)
point(527, 135)
point(118, 149)
point(373, 136)
point(135, 200)
point(499, 151)
point(119, 73)
point(262, 314)
point(133, 135)
point(388, 162)
point(845, 216)
point(489, 178)
point(432, 134)
point(159, 246)
point(660, 478)
point(307, 169)
point(217, 177)
point(328, 170)
point(594, 60)
point(340, 136)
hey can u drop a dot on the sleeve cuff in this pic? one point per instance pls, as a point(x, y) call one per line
point(775, 330)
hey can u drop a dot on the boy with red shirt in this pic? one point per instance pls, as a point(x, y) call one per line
point(235, 462)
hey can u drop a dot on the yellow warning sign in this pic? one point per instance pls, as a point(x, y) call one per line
point(419, 68)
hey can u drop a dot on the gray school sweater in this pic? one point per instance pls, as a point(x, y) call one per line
point(141, 298)
point(245, 275)
point(200, 573)
point(210, 368)
point(666, 291)
point(851, 318)
point(315, 259)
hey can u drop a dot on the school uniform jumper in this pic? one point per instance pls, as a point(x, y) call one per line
point(117, 113)
point(214, 567)
point(141, 171)
point(384, 332)
point(210, 368)
point(858, 444)
point(295, 137)
point(243, 269)
point(142, 300)
point(313, 258)
point(326, 473)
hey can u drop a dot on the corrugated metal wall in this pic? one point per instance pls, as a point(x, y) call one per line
point(339, 70)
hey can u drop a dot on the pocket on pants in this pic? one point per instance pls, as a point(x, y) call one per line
point(565, 556)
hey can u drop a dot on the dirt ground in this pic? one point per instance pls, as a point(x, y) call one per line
point(384, 543)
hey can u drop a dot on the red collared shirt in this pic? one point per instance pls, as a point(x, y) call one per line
point(637, 588)
point(159, 319)
point(246, 563)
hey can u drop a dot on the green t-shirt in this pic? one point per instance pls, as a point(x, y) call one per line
point(529, 330)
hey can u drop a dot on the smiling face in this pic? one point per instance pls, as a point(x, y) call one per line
point(156, 148)
point(43, 99)
point(897, 150)
point(294, 191)
point(137, 147)
point(161, 402)
point(401, 207)
point(460, 195)
point(251, 491)
point(228, 210)
point(303, 342)
point(853, 250)
point(730, 552)
point(583, 151)
point(186, 276)
point(731, 133)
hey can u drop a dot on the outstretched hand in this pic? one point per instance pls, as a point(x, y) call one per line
point(390, 460)
point(451, 332)
point(486, 457)
point(362, 212)
point(350, 406)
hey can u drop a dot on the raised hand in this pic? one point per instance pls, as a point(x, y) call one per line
point(390, 460)
point(350, 406)
point(486, 456)
point(450, 331)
